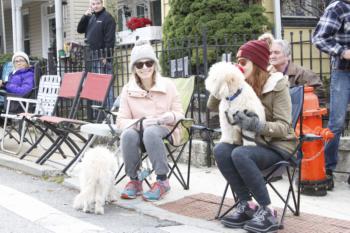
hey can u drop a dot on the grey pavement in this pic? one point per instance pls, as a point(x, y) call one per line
point(203, 180)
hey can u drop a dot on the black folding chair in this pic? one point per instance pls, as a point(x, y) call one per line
point(185, 86)
point(291, 166)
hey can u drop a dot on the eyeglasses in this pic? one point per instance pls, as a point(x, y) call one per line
point(19, 61)
point(149, 64)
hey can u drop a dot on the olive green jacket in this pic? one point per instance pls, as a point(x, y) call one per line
point(277, 130)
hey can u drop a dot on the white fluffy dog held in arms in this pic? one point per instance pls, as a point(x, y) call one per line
point(96, 180)
point(227, 83)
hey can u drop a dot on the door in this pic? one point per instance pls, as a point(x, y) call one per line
point(48, 28)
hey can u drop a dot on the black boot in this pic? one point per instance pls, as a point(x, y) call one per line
point(330, 179)
point(240, 215)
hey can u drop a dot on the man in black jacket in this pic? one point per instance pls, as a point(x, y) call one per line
point(99, 28)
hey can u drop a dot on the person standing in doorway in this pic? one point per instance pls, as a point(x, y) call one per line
point(332, 36)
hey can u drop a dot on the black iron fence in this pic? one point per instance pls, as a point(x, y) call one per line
point(185, 57)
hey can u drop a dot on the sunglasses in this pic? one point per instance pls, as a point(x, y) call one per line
point(149, 64)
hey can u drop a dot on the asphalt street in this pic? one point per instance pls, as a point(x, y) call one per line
point(37, 205)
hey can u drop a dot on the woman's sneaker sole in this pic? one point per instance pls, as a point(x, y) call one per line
point(153, 200)
point(126, 196)
point(270, 229)
point(233, 225)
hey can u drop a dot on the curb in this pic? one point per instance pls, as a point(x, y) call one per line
point(27, 167)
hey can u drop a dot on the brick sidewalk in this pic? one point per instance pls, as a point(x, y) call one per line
point(205, 206)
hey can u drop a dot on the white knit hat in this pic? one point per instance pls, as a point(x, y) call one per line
point(142, 50)
point(20, 54)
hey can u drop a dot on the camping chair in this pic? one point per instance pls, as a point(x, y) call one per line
point(185, 86)
point(95, 88)
point(291, 166)
point(45, 99)
point(105, 129)
point(68, 91)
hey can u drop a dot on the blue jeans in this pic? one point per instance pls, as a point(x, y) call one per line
point(339, 99)
point(241, 166)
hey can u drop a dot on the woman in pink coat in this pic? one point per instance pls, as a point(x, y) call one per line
point(147, 95)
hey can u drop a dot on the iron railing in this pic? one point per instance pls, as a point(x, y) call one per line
point(185, 57)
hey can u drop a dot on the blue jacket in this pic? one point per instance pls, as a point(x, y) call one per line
point(20, 82)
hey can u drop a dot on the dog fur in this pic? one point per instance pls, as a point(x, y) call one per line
point(96, 178)
point(224, 80)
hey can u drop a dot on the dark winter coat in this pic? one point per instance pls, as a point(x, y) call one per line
point(21, 82)
point(99, 29)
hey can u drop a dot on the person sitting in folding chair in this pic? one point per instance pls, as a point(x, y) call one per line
point(241, 165)
point(156, 101)
point(20, 81)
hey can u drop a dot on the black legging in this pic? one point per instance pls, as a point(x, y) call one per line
point(241, 166)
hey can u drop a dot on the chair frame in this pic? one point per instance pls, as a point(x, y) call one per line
point(63, 126)
point(186, 123)
point(66, 91)
point(91, 138)
point(47, 89)
point(294, 165)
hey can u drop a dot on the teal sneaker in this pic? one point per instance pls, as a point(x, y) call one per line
point(132, 189)
point(157, 191)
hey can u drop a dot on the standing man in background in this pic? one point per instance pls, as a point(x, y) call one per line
point(332, 36)
point(99, 28)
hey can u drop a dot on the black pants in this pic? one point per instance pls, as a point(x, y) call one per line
point(241, 166)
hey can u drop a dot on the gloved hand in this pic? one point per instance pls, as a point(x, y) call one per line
point(150, 121)
point(248, 120)
point(167, 118)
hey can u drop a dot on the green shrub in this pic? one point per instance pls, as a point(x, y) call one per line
point(220, 19)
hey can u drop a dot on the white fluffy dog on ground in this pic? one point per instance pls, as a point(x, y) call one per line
point(96, 180)
point(227, 83)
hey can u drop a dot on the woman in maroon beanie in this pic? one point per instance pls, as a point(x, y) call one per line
point(241, 165)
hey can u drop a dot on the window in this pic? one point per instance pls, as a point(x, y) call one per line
point(26, 35)
point(50, 9)
point(120, 20)
point(302, 12)
point(141, 11)
point(156, 13)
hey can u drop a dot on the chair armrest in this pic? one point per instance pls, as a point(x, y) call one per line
point(204, 128)
point(98, 107)
point(185, 122)
point(21, 99)
point(104, 109)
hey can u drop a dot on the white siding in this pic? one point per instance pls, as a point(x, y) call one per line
point(8, 31)
point(35, 28)
point(75, 10)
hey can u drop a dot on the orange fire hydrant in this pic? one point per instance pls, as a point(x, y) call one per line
point(313, 173)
